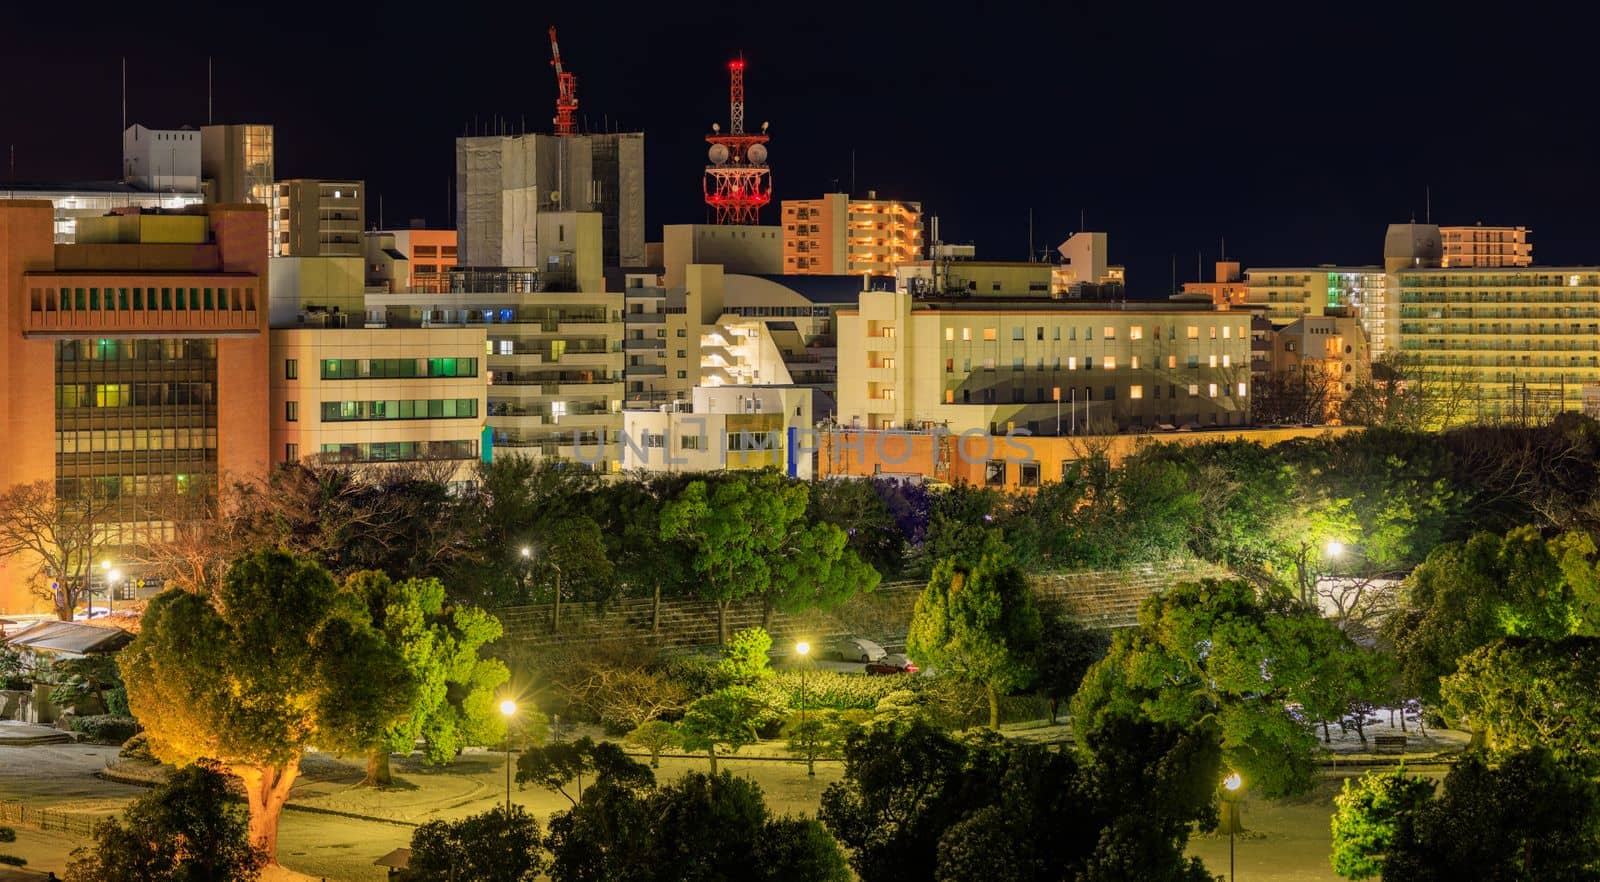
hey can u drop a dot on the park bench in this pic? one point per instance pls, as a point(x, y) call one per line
point(1388, 744)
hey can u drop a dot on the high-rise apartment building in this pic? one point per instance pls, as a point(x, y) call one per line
point(838, 235)
point(1481, 246)
point(504, 183)
point(1518, 343)
point(135, 359)
point(319, 218)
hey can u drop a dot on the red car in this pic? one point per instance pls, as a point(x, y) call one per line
point(896, 663)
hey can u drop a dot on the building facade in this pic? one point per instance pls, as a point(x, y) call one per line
point(421, 261)
point(724, 429)
point(1288, 294)
point(319, 218)
point(838, 235)
point(1330, 351)
point(161, 160)
point(1047, 367)
point(505, 182)
point(379, 395)
point(1523, 341)
point(143, 346)
point(1481, 246)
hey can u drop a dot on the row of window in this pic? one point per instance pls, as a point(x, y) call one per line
point(162, 349)
point(1073, 363)
point(118, 440)
point(132, 394)
point(398, 451)
point(1107, 332)
point(1109, 393)
point(143, 299)
point(402, 409)
point(387, 368)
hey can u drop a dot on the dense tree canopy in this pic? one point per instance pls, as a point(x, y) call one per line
point(279, 658)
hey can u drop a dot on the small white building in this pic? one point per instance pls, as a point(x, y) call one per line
point(728, 428)
point(161, 160)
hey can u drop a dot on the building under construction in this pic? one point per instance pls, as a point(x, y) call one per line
point(504, 182)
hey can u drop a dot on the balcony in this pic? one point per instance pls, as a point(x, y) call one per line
point(647, 343)
point(880, 343)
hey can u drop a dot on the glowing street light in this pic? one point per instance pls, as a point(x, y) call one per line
point(803, 649)
point(1334, 548)
point(509, 709)
point(1231, 784)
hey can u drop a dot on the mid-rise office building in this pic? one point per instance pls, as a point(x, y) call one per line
point(319, 218)
point(838, 235)
point(237, 163)
point(1481, 246)
point(504, 183)
point(1288, 294)
point(1048, 367)
point(136, 360)
point(411, 259)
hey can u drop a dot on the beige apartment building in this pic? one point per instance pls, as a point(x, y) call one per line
point(1289, 294)
point(838, 235)
point(379, 395)
point(1331, 349)
point(1481, 246)
point(1525, 341)
point(1046, 367)
point(724, 428)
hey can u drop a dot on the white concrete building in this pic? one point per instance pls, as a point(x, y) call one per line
point(729, 428)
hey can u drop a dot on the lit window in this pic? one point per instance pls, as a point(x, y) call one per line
point(1226, 359)
point(1072, 362)
point(1194, 332)
point(1194, 389)
point(991, 334)
point(1213, 332)
point(949, 333)
point(1226, 332)
point(1109, 362)
point(1136, 333)
point(1172, 362)
point(1110, 333)
point(949, 396)
point(1213, 361)
point(1241, 390)
point(558, 409)
point(966, 333)
point(1135, 391)
point(1134, 362)
point(1212, 390)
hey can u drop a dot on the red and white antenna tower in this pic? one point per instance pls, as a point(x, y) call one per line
point(566, 92)
point(737, 181)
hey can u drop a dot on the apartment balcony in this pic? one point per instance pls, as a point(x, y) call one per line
point(880, 343)
point(646, 343)
point(644, 318)
point(880, 405)
point(634, 371)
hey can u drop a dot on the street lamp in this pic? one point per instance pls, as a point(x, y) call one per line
point(112, 579)
point(803, 649)
point(509, 709)
point(1334, 548)
point(1231, 785)
point(555, 611)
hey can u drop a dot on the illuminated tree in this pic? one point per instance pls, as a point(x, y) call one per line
point(278, 659)
point(59, 537)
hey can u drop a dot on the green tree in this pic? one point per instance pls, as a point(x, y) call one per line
point(1213, 655)
point(725, 719)
point(976, 620)
point(749, 537)
point(1468, 595)
point(855, 507)
point(654, 736)
point(744, 659)
point(278, 659)
point(1067, 650)
point(186, 829)
point(83, 683)
point(469, 714)
point(555, 766)
point(8, 835)
point(1367, 816)
point(1529, 817)
point(495, 846)
point(1522, 694)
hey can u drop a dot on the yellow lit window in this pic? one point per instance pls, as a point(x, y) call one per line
point(966, 333)
point(1225, 359)
point(1172, 362)
point(949, 396)
point(1213, 361)
point(1134, 362)
point(1226, 331)
point(1194, 332)
point(949, 333)
point(990, 334)
point(1213, 390)
point(1136, 333)
point(1109, 362)
point(1072, 362)
point(1241, 390)
point(1135, 391)
point(1110, 333)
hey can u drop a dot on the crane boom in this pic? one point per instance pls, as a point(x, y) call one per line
point(566, 92)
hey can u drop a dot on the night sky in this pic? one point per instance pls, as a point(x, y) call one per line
point(1295, 130)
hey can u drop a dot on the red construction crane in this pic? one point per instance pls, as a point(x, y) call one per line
point(567, 92)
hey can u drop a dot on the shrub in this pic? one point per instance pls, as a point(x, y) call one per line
point(137, 747)
point(105, 728)
point(117, 701)
point(834, 690)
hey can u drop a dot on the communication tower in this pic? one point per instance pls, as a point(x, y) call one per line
point(737, 181)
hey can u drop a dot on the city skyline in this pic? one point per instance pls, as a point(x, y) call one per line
point(1169, 133)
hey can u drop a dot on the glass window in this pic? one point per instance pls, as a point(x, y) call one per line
point(291, 369)
point(991, 334)
point(1135, 392)
point(1135, 333)
point(1110, 332)
point(1109, 362)
point(291, 411)
point(1029, 474)
point(1193, 332)
point(994, 473)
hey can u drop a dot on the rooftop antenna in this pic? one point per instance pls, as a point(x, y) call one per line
point(1083, 220)
point(210, 90)
point(1223, 255)
point(1030, 235)
point(124, 93)
point(1427, 197)
point(852, 172)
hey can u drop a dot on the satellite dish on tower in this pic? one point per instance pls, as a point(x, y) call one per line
point(716, 127)
point(555, 197)
point(718, 154)
point(757, 153)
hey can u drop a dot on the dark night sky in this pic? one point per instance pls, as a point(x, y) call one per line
point(1296, 130)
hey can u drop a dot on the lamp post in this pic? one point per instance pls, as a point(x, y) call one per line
point(1230, 786)
point(112, 579)
point(555, 611)
point(509, 709)
point(803, 649)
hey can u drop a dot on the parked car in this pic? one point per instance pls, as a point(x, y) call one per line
point(894, 663)
point(853, 649)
